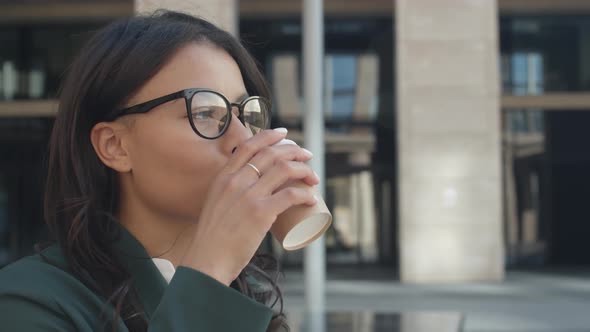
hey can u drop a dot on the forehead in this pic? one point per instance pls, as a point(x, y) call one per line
point(197, 65)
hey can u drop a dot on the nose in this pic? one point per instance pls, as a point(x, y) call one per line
point(236, 134)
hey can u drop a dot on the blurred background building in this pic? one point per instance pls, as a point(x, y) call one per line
point(455, 130)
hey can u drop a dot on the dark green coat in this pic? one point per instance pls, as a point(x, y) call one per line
point(38, 296)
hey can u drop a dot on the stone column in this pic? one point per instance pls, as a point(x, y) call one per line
point(223, 13)
point(450, 181)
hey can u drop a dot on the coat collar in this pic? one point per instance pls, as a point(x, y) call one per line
point(146, 278)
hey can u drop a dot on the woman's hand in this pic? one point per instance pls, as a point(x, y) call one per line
point(241, 206)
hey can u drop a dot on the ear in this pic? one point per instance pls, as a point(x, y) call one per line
point(108, 140)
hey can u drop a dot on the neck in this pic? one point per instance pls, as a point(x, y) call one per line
point(160, 236)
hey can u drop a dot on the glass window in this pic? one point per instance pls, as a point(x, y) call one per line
point(4, 245)
point(545, 54)
point(525, 73)
point(34, 58)
point(525, 185)
point(358, 88)
point(351, 84)
point(8, 63)
point(343, 83)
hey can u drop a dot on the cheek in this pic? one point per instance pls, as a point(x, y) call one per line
point(173, 169)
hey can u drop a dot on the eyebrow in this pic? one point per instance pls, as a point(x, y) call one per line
point(242, 97)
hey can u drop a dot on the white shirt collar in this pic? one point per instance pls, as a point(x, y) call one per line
point(165, 267)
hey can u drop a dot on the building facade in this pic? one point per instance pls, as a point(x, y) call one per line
point(454, 129)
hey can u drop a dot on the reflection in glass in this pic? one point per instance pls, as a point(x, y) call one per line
point(359, 111)
point(524, 158)
point(525, 73)
point(4, 245)
point(33, 58)
point(351, 82)
point(350, 105)
point(545, 54)
point(369, 321)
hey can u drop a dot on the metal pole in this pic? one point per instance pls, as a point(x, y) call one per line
point(313, 125)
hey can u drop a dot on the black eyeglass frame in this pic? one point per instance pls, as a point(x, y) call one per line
point(188, 95)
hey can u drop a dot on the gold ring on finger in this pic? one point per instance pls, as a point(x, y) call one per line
point(255, 169)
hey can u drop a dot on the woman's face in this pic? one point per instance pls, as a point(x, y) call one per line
point(171, 166)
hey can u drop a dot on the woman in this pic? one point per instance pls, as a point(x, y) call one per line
point(162, 184)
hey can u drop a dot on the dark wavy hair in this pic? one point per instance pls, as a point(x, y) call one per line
point(82, 196)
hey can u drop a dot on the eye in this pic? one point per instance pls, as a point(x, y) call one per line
point(201, 114)
point(205, 113)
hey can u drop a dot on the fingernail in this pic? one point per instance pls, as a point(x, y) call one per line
point(316, 174)
point(281, 130)
point(317, 198)
point(285, 141)
point(307, 152)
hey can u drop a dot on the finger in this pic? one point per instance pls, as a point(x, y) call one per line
point(291, 142)
point(288, 197)
point(247, 149)
point(284, 172)
point(285, 141)
point(267, 157)
point(244, 178)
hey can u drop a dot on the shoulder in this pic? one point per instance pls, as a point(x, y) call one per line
point(45, 279)
point(38, 275)
point(39, 290)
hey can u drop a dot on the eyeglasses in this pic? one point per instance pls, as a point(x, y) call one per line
point(209, 112)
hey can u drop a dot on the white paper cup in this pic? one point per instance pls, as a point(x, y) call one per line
point(302, 224)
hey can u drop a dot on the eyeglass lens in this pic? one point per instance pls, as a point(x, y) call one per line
point(210, 114)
